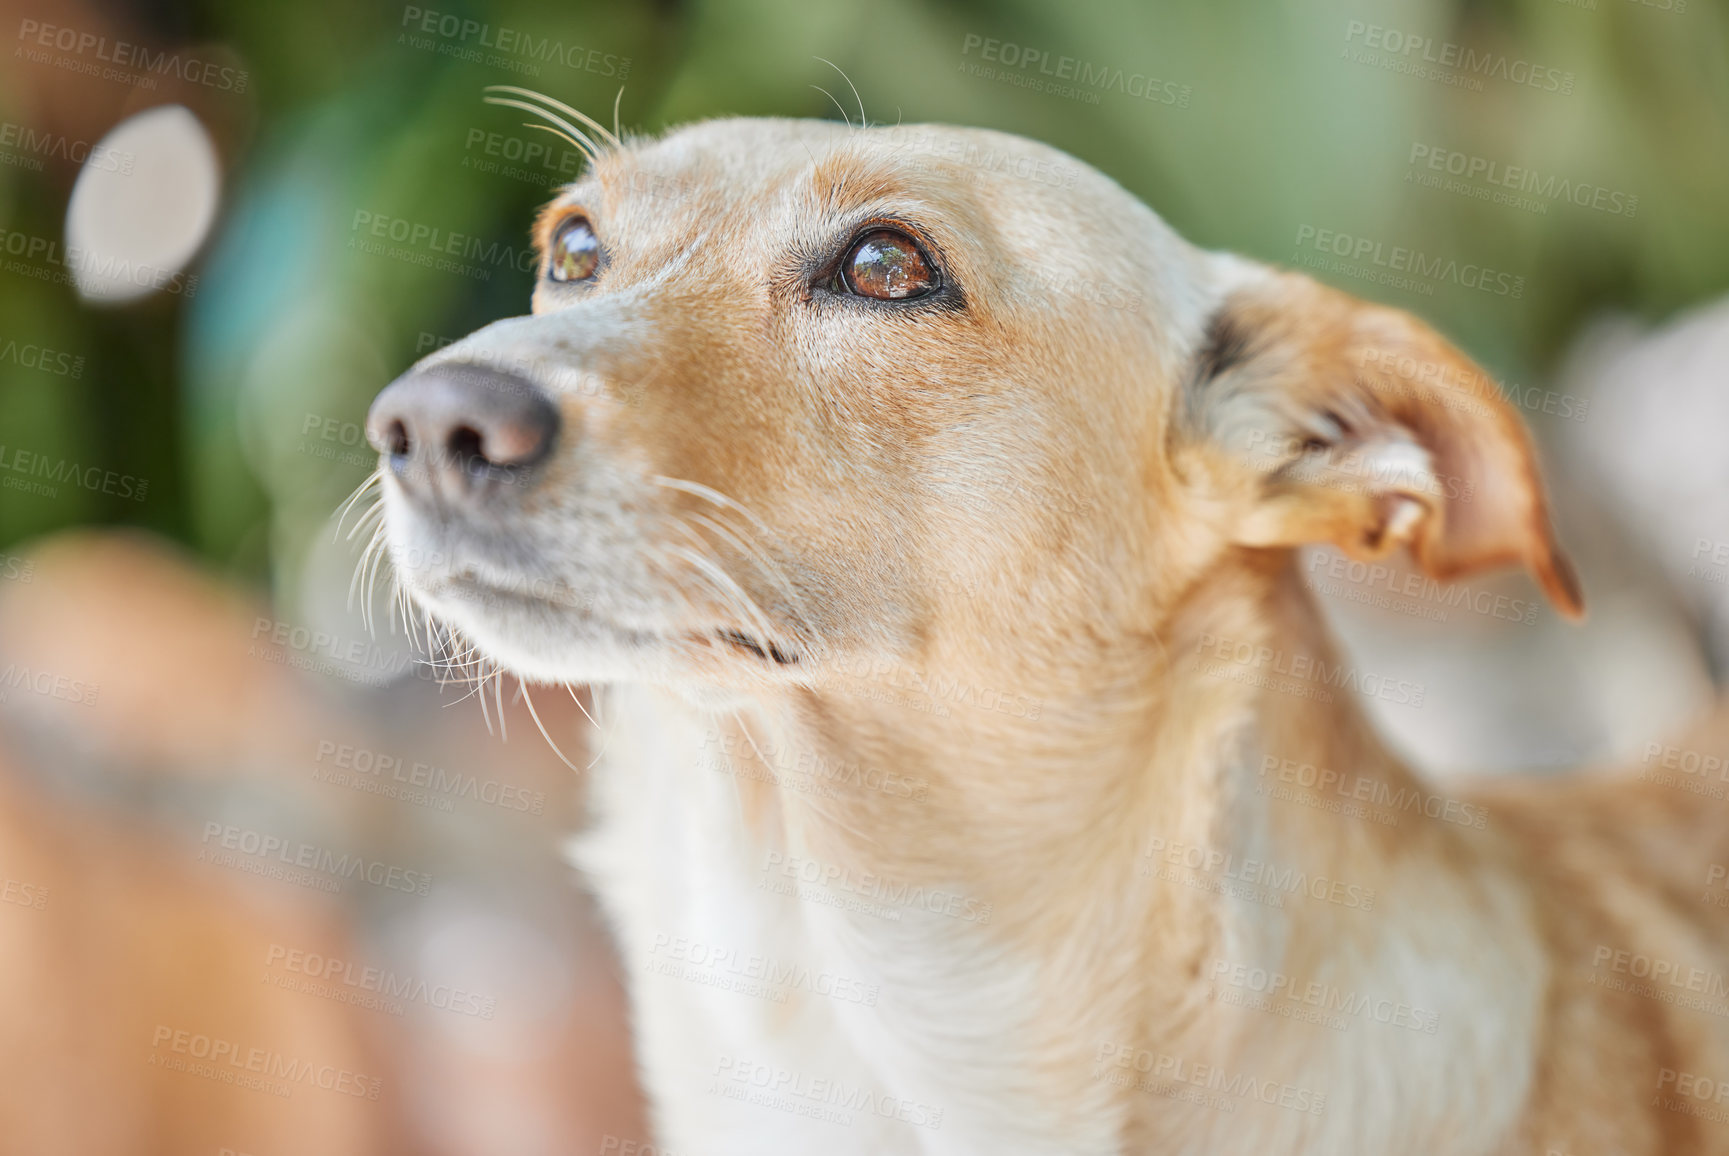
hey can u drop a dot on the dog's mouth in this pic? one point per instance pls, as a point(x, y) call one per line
point(769, 652)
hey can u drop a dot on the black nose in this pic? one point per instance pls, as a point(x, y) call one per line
point(456, 432)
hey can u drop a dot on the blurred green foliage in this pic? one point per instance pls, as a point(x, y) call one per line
point(242, 406)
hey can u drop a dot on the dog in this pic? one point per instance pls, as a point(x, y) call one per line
point(924, 510)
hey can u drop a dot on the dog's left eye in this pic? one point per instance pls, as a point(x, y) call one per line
point(575, 252)
point(887, 265)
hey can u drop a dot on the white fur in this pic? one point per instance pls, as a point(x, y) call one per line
point(673, 858)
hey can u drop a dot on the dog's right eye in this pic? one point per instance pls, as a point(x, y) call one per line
point(887, 265)
point(575, 252)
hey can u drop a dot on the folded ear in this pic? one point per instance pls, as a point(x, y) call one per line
point(1323, 418)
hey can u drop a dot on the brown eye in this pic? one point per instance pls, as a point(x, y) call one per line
point(575, 252)
point(888, 266)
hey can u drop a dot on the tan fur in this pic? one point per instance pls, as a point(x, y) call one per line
point(1065, 508)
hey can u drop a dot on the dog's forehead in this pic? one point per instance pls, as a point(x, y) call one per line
point(735, 154)
point(760, 163)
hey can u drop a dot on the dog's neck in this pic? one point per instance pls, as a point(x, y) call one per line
point(1134, 752)
point(1115, 828)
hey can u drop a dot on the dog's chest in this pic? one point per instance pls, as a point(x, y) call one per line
point(771, 1016)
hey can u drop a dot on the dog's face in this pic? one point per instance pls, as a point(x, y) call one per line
point(793, 393)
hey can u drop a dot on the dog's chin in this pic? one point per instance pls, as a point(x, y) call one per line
point(539, 639)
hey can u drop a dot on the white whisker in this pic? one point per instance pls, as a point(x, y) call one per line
point(740, 600)
point(769, 568)
point(610, 138)
point(862, 122)
point(372, 479)
point(805, 621)
point(836, 103)
point(522, 689)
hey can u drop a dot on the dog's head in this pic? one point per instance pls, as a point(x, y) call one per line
point(793, 393)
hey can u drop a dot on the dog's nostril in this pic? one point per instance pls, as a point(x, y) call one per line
point(467, 449)
point(464, 443)
point(396, 441)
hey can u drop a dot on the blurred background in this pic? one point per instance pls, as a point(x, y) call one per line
point(267, 888)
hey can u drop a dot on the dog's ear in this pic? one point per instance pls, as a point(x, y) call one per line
point(1323, 418)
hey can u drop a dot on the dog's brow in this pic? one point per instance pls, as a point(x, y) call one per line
point(842, 180)
point(615, 176)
